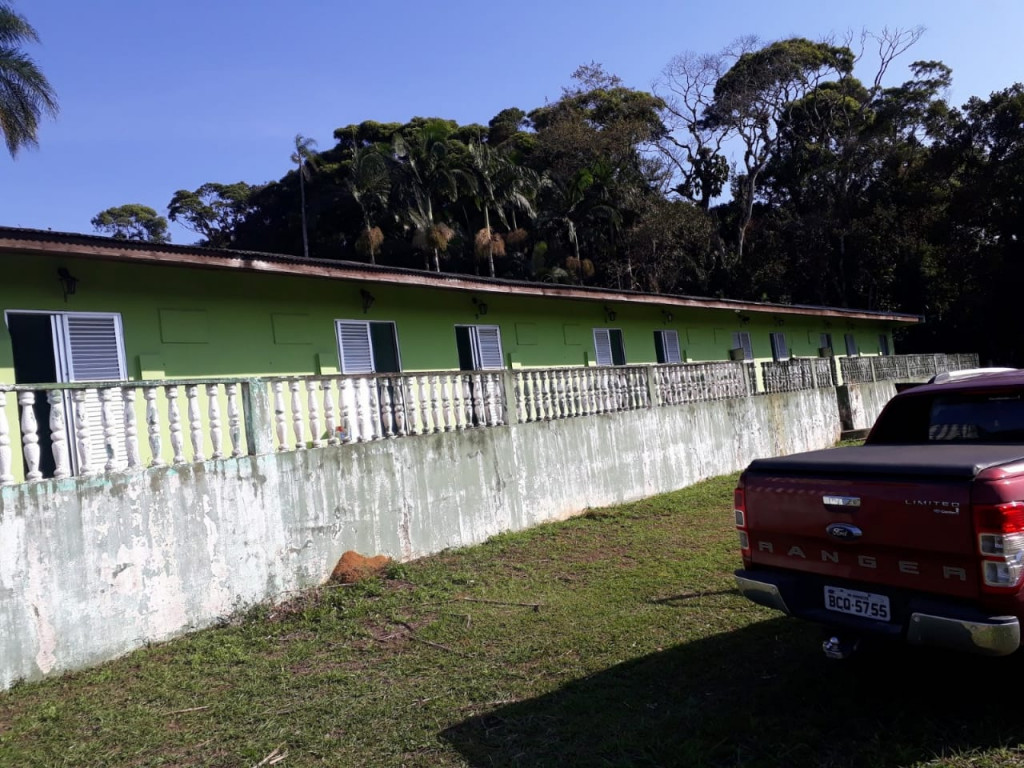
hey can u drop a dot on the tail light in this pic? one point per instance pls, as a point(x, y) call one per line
point(1000, 533)
point(739, 503)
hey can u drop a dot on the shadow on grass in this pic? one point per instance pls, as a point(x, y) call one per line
point(760, 696)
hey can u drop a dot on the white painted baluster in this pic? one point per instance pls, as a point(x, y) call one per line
point(6, 470)
point(545, 395)
point(83, 438)
point(563, 393)
point(435, 402)
point(280, 418)
point(358, 387)
point(327, 385)
point(153, 427)
point(399, 405)
point(491, 407)
point(29, 434)
point(109, 427)
point(131, 430)
point(423, 396)
point(447, 383)
point(315, 425)
point(234, 422)
point(213, 413)
point(298, 427)
point(58, 435)
point(464, 410)
point(344, 396)
point(174, 425)
point(374, 413)
point(530, 396)
point(195, 422)
point(477, 400)
point(386, 413)
point(413, 404)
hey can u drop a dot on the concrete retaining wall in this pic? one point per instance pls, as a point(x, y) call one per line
point(91, 568)
point(860, 404)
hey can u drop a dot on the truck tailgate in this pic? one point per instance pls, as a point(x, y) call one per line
point(880, 514)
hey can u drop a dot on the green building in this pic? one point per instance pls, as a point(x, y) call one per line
point(85, 308)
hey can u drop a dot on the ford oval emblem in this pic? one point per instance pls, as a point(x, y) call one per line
point(844, 531)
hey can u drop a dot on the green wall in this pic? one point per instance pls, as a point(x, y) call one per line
point(182, 322)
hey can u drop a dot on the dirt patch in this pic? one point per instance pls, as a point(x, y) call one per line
point(353, 567)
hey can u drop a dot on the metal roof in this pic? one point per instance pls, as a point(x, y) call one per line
point(15, 240)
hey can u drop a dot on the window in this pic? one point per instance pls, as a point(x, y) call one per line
point(851, 345)
point(666, 346)
point(72, 347)
point(368, 347)
point(883, 344)
point(479, 347)
point(741, 340)
point(609, 347)
point(826, 342)
point(780, 350)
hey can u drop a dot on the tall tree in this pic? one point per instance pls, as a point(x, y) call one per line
point(304, 157)
point(213, 211)
point(25, 93)
point(753, 98)
point(132, 222)
point(369, 183)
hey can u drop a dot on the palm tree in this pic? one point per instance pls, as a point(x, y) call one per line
point(429, 180)
point(25, 93)
point(369, 183)
point(499, 183)
point(304, 157)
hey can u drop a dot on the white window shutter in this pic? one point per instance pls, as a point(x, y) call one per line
point(489, 345)
point(354, 346)
point(93, 351)
point(670, 345)
point(94, 348)
point(603, 346)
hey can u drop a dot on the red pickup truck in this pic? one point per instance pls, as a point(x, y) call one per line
point(916, 535)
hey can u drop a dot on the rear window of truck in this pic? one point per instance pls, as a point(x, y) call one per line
point(961, 417)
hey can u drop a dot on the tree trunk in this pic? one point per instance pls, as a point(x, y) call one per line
point(490, 243)
point(302, 197)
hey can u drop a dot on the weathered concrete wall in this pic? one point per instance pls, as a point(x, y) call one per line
point(860, 404)
point(91, 568)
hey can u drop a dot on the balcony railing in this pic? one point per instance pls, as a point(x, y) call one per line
point(62, 430)
point(860, 370)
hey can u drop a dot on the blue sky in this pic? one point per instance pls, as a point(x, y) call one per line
point(161, 96)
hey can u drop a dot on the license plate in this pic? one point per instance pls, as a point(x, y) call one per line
point(856, 603)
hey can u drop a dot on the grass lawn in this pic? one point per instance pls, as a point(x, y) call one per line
point(613, 639)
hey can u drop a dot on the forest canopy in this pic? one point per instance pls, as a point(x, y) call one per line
point(767, 171)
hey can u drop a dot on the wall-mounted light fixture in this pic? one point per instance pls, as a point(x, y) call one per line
point(609, 314)
point(68, 282)
point(779, 320)
point(481, 307)
point(368, 299)
point(667, 317)
point(744, 319)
